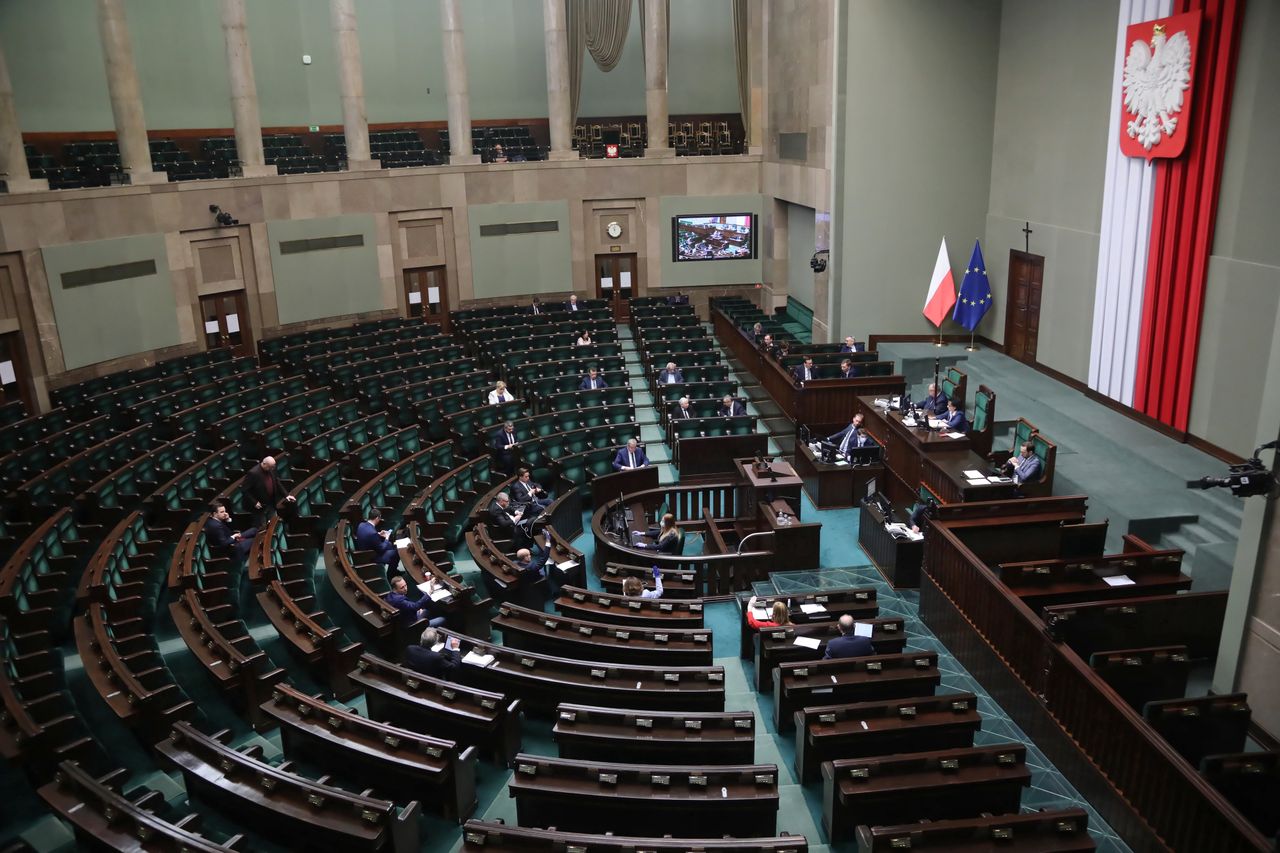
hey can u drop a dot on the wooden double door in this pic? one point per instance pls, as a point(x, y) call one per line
point(616, 282)
point(225, 322)
point(1022, 319)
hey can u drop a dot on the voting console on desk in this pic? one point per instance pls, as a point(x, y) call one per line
point(898, 559)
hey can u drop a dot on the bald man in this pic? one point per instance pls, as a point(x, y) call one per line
point(263, 491)
point(848, 644)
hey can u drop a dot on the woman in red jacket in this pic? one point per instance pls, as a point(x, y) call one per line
point(779, 616)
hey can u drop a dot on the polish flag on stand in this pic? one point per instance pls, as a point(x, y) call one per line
point(942, 289)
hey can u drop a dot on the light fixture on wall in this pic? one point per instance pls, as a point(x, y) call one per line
point(818, 264)
point(221, 217)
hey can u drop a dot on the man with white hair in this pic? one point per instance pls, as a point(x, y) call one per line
point(681, 410)
point(424, 658)
point(671, 375)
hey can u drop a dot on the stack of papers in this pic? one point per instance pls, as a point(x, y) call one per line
point(1119, 580)
point(403, 543)
point(566, 565)
point(908, 422)
point(810, 609)
point(808, 642)
point(441, 594)
point(760, 613)
point(977, 481)
point(934, 423)
point(476, 659)
point(955, 435)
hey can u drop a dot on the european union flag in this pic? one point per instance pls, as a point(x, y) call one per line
point(974, 299)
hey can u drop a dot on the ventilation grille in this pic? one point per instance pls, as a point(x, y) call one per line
point(793, 146)
point(114, 272)
point(503, 229)
point(320, 244)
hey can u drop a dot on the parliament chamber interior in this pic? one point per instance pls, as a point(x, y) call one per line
point(572, 425)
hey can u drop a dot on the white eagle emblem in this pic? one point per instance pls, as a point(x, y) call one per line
point(1155, 78)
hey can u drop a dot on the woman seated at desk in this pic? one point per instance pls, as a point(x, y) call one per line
point(779, 615)
point(584, 339)
point(670, 539)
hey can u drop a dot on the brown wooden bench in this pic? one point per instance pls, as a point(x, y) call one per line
point(645, 799)
point(860, 729)
point(1193, 619)
point(484, 837)
point(1209, 725)
point(858, 602)
point(1145, 675)
point(391, 760)
point(289, 603)
point(552, 634)
point(1251, 782)
point(104, 818)
point(404, 697)
point(826, 682)
point(937, 785)
point(1065, 831)
point(280, 804)
point(792, 643)
point(542, 682)
point(581, 603)
point(1043, 583)
point(680, 584)
point(612, 734)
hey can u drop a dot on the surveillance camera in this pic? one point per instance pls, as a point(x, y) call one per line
point(818, 263)
point(213, 208)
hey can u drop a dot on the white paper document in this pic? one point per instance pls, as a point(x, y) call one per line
point(760, 613)
point(211, 327)
point(433, 295)
point(974, 475)
point(606, 282)
point(441, 593)
point(624, 279)
point(808, 642)
point(403, 542)
point(934, 423)
point(477, 660)
point(438, 646)
point(233, 323)
point(415, 297)
point(566, 565)
point(810, 609)
point(7, 374)
point(842, 461)
point(1119, 580)
point(977, 481)
point(955, 435)
point(862, 629)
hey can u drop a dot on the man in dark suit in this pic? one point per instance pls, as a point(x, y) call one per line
point(848, 644)
point(848, 437)
point(263, 490)
point(503, 516)
point(219, 533)
point(681, 411)
point(503, 441)
point(425, 659)
point(370, 538)
point(536, 308)
point(631, 456)
point(412, 604)
point(851, 346)
point(541, 565)
point(572, 304)
point(731, 407)
point(671, 375)
point(593, 381)
point(806, 371)
point(1026, 467)
point(769, 346)
point(955, 419)
point(847, 370)
point(935, 402)
point(525, 492)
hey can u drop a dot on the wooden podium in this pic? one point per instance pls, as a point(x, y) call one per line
point(780, 482)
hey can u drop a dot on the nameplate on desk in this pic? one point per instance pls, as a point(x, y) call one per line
point(623, 635)
point(671, 676)
point(599, 673)
point(644, 723)
point(693, 725)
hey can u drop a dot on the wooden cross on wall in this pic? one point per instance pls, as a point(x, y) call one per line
point(1027, 232)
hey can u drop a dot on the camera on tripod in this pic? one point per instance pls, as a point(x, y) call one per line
point(1245, 480)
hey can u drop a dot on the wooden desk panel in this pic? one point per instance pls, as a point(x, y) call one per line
point(898, 560)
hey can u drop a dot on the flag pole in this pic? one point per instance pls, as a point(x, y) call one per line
point(972, 347)
point(939, 341)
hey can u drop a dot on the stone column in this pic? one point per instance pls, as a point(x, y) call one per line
point(14, 175)
point(554, 18)
point(126, 98)
point(455, 85)
point(355, 124)
point(758, 63)
point(655, 78)
point(244, 91)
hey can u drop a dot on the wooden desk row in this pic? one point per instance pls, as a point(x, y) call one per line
point(482, 837)
point(537, 631)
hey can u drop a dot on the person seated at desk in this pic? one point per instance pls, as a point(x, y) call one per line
point(851, 346)
point(631, 456)
point(634, 587)
point(670, 538)
point(572, 304)
point(757, 332)
point(778, 615)
point(955, 419)
point(678, 299)
point(806, 371)
point(681, 411)
point(1026, 467)
point(593, 381)
point(848, 644)
point(504, 441)
point(584, 339)
point(769, 346)
point(500, 394)
point(848, 371)
point(670, 375)
point(503, 517)
point(556, 576)
point(536, 308)
point(412, 604)
point(370, 538)
point(499, 155)
point(935, 403)
point(222, 537)
point(529, 493)
point(423, 657)
point(731, 407)
point(851, 436)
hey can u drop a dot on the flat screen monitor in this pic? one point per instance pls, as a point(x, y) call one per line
point(713, 237)
point(864, 455)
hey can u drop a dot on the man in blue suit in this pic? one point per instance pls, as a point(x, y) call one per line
point(955, 419)
point(411, 609)
point(849, 436)
point(935, 403)
point(592, 381)
point(805, 372)
point(370, 538)
point(851, 346)
point(671, 375)
point(631, 456)
point(503, 441)
point(848, 644)
point(1026, 467)
point(848, 371)
point(220, 535)
point(731, 407)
